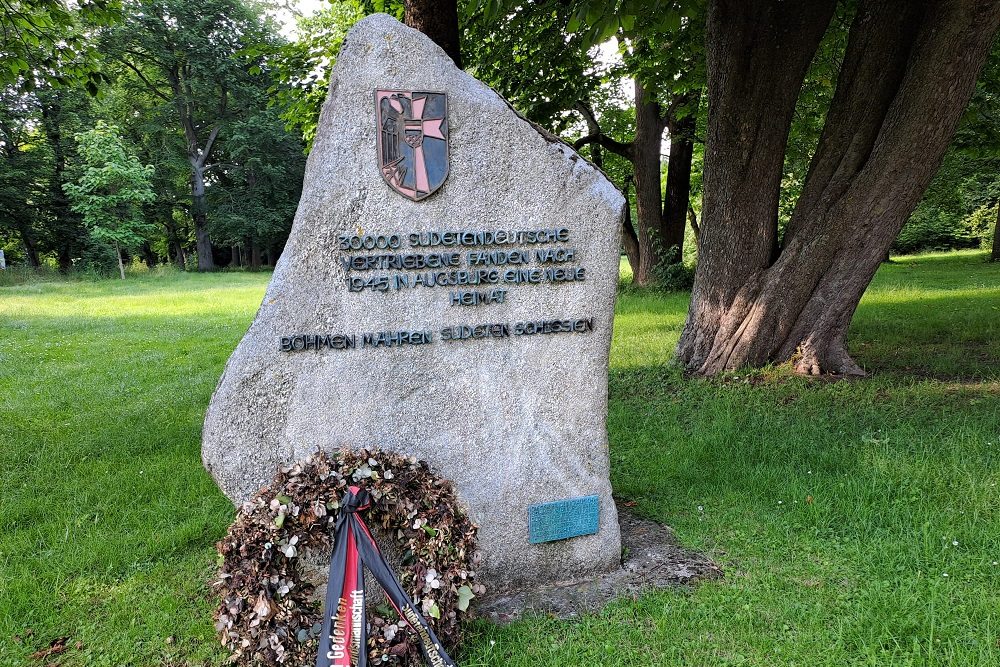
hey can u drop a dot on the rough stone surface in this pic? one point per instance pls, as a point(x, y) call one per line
point(512, 421)
point(653, 560)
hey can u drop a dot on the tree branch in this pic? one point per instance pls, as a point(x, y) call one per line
point(693, 219)
point(149, 84)
point(616, 147)
point(203, 158)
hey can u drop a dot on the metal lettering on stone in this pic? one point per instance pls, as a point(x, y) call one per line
point(563, 519)
point(412, 131)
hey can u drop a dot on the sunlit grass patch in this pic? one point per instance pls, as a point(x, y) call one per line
point(836, 509)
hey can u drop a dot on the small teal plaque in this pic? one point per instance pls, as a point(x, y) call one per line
point(562, 519)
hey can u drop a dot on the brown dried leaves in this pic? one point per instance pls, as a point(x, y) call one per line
point(266, 615)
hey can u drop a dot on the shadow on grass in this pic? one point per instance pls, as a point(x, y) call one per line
point(945, 337)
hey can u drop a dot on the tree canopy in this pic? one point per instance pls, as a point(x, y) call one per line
point(742, 133)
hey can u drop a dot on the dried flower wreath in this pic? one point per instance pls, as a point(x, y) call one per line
point(268, 615)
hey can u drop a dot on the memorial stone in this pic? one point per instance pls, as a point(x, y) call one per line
point(447, 291)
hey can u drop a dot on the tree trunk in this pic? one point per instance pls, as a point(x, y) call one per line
point(30, 250)
point(693, 219)
point(648, 196)
point(254, 256)
point(908, 72)
point(630, 241)
point(235, 261)
point(64, 258)
point(438, 19)
point(51, 107)
point(121, 265)
point(174, 243)
point(203, 244)
point(675, 207)
point(995, 253)
point(148, 255)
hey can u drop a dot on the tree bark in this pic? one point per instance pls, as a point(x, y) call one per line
point(649, 126)
point(630, 241)
point(675, 205)
point(908, 72)
point(203, 243)
point(438, 19)
point(180, 257)
point(995, 253)
point(174, 243)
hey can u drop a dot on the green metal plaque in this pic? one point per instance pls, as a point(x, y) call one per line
point(562, 519)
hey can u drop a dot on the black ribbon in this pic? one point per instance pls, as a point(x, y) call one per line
point(344, 638)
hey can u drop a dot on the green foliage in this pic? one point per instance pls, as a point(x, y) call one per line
point(981, 223)
point(528, 57)
point(111, 185)
point(301, 68)
point(259, 180)
point(813, 102)
point(25, 161)
point(672, 274)
point(597, 21)
point(47, 42)
point(202, 73)
point(955, 210)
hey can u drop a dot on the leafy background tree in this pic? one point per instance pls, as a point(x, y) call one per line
point(225, 107)
point(109, 189)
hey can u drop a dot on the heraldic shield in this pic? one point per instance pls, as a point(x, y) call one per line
point(412, 141)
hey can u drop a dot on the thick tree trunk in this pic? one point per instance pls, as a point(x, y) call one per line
point(203, 244)
point(908, 72)
point(648, 197)
point(438, 19)
point(995, 254)
point(675, 206)
point(235, 261)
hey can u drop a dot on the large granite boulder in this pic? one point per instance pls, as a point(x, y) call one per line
point(501, 384)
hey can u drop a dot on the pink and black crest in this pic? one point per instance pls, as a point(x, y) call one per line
point(412, 140)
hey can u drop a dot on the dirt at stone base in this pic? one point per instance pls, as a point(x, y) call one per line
point(653, 560)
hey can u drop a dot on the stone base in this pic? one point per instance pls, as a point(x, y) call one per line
point(653, 560)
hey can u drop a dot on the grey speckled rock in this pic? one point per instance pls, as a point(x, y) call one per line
point(513, 421)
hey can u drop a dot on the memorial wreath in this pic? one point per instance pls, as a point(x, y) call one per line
point(268, 614)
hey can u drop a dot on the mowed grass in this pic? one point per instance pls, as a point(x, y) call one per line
point(857, 522)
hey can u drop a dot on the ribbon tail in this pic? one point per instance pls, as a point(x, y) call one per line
point(359, 620)
point(434, 653)
point(334, 592)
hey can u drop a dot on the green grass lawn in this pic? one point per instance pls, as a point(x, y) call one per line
point(857, 522)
